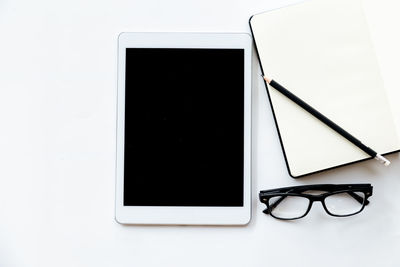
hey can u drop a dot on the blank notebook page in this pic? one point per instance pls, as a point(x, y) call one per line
point(321, 51)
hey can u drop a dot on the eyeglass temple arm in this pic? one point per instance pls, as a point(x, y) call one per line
point(273, 205)
point(358, 198)
point(279, 200)
point(276, 203)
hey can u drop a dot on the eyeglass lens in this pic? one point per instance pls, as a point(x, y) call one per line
point(344, 204)
point(289, 207)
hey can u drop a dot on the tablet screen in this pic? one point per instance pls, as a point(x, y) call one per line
point(184, 123)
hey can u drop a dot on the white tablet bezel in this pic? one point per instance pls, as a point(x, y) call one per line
point(183, 215)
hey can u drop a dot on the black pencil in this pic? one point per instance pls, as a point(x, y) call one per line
point(327, 121)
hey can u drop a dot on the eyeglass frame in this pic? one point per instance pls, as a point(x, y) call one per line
point(331, 189)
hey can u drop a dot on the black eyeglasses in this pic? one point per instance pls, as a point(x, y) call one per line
point(340, 200)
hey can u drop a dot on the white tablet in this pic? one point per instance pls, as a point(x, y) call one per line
point(183, 128)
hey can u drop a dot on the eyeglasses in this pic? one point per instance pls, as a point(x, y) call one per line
point(340, 200)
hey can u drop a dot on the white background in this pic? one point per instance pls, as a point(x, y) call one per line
point(58, 63)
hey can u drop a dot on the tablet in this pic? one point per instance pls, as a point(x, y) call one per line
point(183, 128)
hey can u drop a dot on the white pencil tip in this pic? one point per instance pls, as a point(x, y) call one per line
point(382, 159)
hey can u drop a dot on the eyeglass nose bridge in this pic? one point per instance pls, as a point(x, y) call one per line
point(316, 198)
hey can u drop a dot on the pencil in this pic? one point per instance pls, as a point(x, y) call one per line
point(327, 121)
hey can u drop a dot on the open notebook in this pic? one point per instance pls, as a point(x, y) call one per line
point(321, 51)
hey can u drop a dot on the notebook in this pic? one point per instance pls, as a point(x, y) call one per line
point(321, 51)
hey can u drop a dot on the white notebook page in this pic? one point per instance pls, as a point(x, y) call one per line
point(321, 51)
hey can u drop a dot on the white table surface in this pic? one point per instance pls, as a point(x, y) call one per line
point(57, 148)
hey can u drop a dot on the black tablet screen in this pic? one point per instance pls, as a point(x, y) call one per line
point(184, 122)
